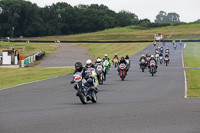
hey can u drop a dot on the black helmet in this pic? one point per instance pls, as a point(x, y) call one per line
point(78, 65)
point(122, 58)
point(127, 57)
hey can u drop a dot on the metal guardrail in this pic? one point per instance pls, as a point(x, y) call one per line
point(103, 41)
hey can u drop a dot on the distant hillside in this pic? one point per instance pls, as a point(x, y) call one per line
point(132, 33)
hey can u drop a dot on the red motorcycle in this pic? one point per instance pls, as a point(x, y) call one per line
point(122, 71)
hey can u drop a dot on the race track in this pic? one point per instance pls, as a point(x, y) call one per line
point(140, 104)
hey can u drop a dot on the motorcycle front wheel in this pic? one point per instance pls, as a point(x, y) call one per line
point(82, 97)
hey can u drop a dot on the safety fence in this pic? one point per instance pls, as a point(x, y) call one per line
point(33, 58)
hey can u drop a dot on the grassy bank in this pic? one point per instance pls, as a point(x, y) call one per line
point(28, 49)
point(10, 77)
point(192, 59)
point(192, 55)
point(193, 79)
point(99, 50)
point(131, 33)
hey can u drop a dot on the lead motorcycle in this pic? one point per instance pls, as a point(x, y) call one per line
point(152, 67)
point(100, 73)
point(122, 71)
point(85, 91)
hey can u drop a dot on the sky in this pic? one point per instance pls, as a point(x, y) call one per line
point(189, 10)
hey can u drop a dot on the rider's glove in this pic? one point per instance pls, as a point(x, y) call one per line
point(72, 82)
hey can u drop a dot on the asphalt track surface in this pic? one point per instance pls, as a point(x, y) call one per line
point(140, 104)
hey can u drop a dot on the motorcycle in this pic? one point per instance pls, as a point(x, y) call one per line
point(161, 50)
point(115, 62)
point(85, 92)
point(100, 75)
point(166, 61)
point(175, 46)
point(122, 71)
point(106, 64)
point(161, 59)
point(157, 57)
point(163, 43)
point(143, 65)
point(128, 64)
point(167, 51)
point(152, 67)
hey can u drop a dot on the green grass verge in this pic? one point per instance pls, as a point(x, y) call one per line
point(193, 80)
point(130, 33)
point(123, 49)
point(192, 55)
point(30, 48)
point(15, 76)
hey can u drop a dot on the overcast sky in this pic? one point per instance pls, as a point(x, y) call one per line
point(189, 10)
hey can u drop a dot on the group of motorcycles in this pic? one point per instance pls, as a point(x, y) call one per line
point(160, 58)
point(86, 90)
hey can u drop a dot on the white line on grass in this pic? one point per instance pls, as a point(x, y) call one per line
point(185, 76)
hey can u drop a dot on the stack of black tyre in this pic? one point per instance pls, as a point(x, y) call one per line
point(40, 55)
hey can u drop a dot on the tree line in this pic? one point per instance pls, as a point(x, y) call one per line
point(23, 18)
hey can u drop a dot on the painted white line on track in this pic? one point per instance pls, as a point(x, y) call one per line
point(185, 84)
point(185, 76)
point(30, 83)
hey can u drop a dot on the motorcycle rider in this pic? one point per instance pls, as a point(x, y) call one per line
point(154, 43)
point(122, 61)
point(91, 81)
point(180, 42)
point(167, 50)
point(116, 57)
point(152, 58)
point(99, 62)
point(143, 58)
point(167, 56)
point(106, 58)
point(78, 68)
point(161, 49)
point(127, 57)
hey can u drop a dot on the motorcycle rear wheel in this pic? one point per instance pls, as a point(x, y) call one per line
point(94, 98)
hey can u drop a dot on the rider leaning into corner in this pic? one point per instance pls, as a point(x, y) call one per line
point(153, 58)
point(78, 68)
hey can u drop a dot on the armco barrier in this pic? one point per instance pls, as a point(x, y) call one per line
point(22, 63)
point(103, 41)
point(40, 55)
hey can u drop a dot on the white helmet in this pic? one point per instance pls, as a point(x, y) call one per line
point(106, 55)
point(98, 60)
point(88, 63)
point(115, 53)
point(152, 56)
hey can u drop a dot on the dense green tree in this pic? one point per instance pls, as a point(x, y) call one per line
point(23, 18)
point(171, 18)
